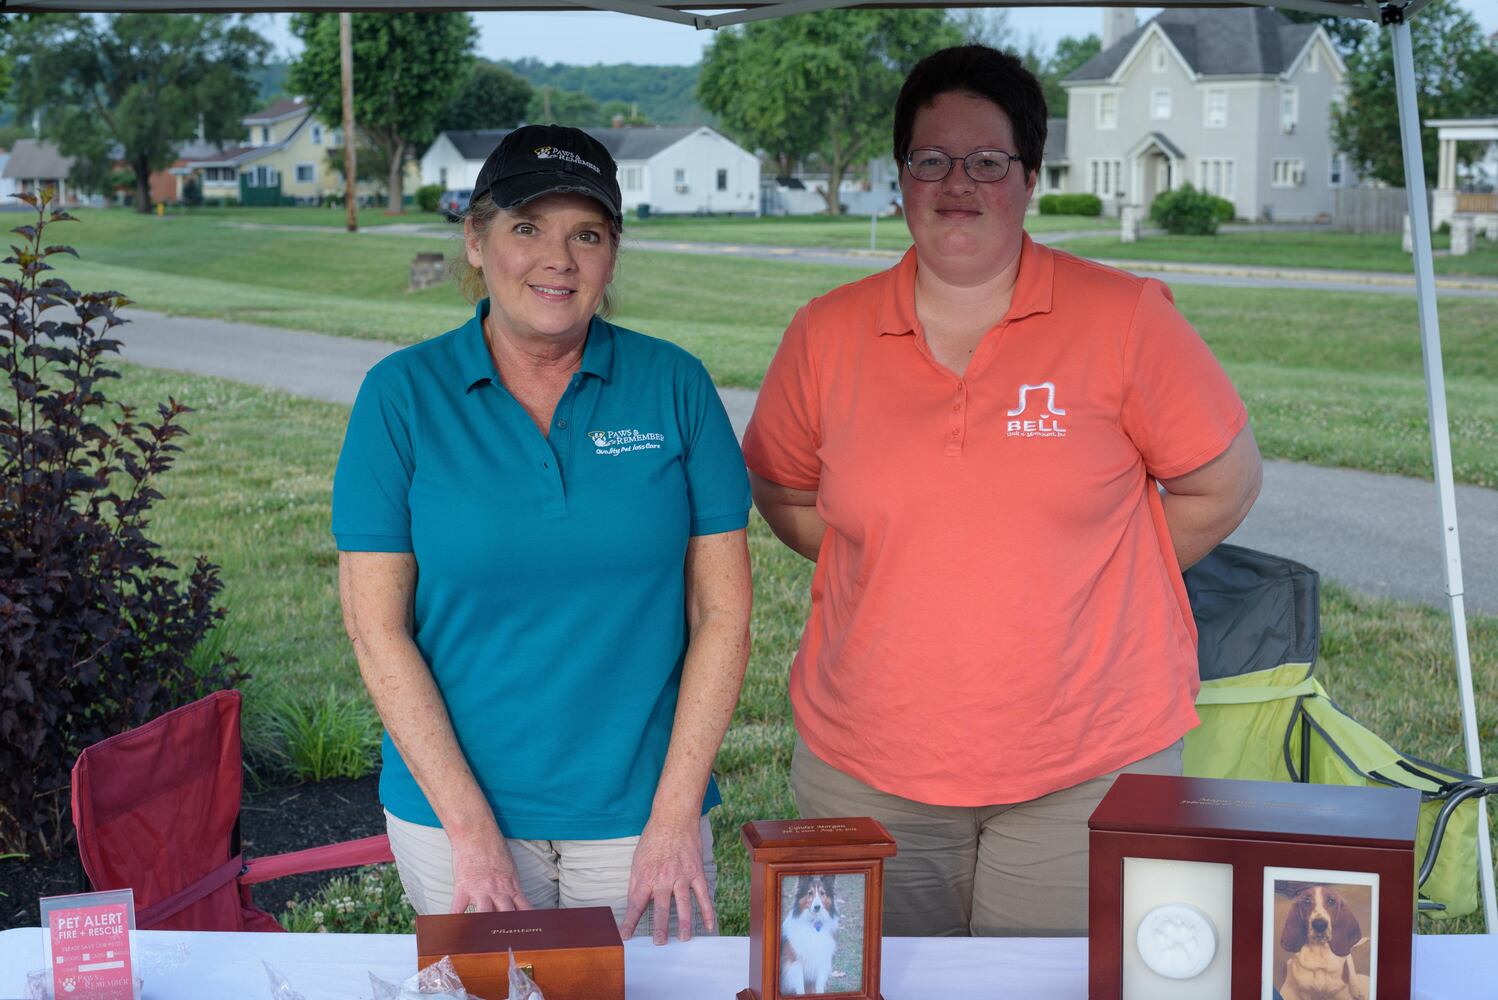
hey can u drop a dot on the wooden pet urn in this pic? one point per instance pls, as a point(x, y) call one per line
point(816, 894)
point(574, 954)
point(1209, 889)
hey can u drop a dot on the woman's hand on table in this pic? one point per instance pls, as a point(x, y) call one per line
point(485, 880)
point(668, 866)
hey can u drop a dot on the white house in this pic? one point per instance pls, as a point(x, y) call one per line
point(671, 169)
point(1238, 101)
point(7, 184)
point(35, 164)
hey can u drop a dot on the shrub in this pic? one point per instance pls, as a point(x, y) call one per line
point(427, 197)
point(1223, 209)
point(97, 628)
point(1186, 212)
point(1071, 204)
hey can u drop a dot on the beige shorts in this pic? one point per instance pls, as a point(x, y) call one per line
point(1018, 869)
point(553, 873)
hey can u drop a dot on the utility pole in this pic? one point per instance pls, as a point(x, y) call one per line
point(350, 157)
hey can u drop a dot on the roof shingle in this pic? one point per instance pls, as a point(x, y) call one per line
point(1224, 41)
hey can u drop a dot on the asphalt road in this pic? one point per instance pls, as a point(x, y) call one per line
point(1376, 533)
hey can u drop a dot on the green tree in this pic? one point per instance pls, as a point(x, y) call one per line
point(551, 105)
point(407, 67)
point(1456, 76)
point(135, 85)
point(1070, 53)
point(819, 84)
point(491, 97)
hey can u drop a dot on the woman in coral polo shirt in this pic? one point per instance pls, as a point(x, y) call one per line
point(1000, 457)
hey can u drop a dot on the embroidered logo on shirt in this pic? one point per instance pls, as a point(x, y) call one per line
point(619, 442)
point(1041, 420)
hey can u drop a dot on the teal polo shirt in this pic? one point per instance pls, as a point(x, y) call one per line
point(550, 594)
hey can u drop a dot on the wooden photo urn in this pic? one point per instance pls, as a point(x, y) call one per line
point(816, 893)
point(574, 954)
point(1209, 889)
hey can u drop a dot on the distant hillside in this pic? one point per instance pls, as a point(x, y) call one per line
point(666, 95)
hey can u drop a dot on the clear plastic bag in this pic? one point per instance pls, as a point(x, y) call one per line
point(280, 989)
point(438, 980)
point(522, 987)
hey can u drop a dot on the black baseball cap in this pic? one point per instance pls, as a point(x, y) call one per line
point(534, 160)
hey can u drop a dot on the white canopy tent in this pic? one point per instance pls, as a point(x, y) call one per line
point(1394, 16)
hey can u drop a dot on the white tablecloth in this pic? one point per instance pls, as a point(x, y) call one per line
point(202, 966)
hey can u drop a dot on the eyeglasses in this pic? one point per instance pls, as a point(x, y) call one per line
point(984, 166)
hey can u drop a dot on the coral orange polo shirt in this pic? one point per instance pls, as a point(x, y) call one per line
point(997, 611)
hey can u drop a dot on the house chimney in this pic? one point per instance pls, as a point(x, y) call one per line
point(617, 121)
point(1117, 22)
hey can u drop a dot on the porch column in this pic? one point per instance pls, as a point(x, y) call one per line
point(1446, 171)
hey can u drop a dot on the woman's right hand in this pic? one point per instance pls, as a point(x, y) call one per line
point(485, 879)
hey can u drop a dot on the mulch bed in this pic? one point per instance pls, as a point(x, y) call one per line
point(273, 820)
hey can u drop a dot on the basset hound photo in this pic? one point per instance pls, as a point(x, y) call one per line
point(1323, 945)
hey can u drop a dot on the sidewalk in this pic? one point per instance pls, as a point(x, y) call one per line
point(1376, 533)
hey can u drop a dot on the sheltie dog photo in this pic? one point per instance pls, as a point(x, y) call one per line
point(808, 936)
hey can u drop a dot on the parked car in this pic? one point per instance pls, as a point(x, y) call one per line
point(454, 203)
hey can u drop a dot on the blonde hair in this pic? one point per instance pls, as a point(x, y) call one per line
point(480, 216)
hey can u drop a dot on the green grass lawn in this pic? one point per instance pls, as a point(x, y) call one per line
point(846, 233)
point(252, 487)
point(1330, 378)
point(1289, 249)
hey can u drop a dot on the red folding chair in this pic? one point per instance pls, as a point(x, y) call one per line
point(157, 811)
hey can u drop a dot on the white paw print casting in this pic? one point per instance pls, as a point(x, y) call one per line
point(1176, 941)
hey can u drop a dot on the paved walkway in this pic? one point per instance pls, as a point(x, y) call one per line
point(1376, 533)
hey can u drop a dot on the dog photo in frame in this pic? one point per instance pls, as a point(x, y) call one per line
point(1320, 934)
point(821, 933)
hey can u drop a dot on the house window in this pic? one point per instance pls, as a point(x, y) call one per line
point(1215, 101)
point(442, 177)
point(306, 173)
point(317, 135)
point(264, 134)
point(634, 178)
point(1053, 179)
point(1313, 60)
point(722, 180)
point(1105, 177)
point(1214, 175)
point(1288, 173)
point(1160, 103)
point(1289, 109)
point(681, 180)
point(1107, 110)
point(1336, 170)
point(1158, 57)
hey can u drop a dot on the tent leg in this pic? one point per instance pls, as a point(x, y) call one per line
point(1440, 432)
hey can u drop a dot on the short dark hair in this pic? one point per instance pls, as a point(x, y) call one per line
point(983, 72)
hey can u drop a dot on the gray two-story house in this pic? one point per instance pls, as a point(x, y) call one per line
point(1237, 101)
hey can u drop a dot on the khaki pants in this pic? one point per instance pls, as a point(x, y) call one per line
point(553, 873)
point(1018, 869)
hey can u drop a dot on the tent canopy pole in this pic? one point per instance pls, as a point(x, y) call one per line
point(1440, 432)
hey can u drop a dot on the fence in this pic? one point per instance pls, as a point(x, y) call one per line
point(1369, 210)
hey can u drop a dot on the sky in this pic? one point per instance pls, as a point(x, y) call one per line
point(588, 37)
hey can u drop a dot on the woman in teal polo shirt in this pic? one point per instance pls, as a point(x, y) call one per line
point(540, 522)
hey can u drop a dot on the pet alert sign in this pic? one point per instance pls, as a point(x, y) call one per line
point(87, 946)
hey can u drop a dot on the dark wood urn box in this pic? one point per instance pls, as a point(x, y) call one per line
point(1209, 889)
point(574, 954)
point(816, 895)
